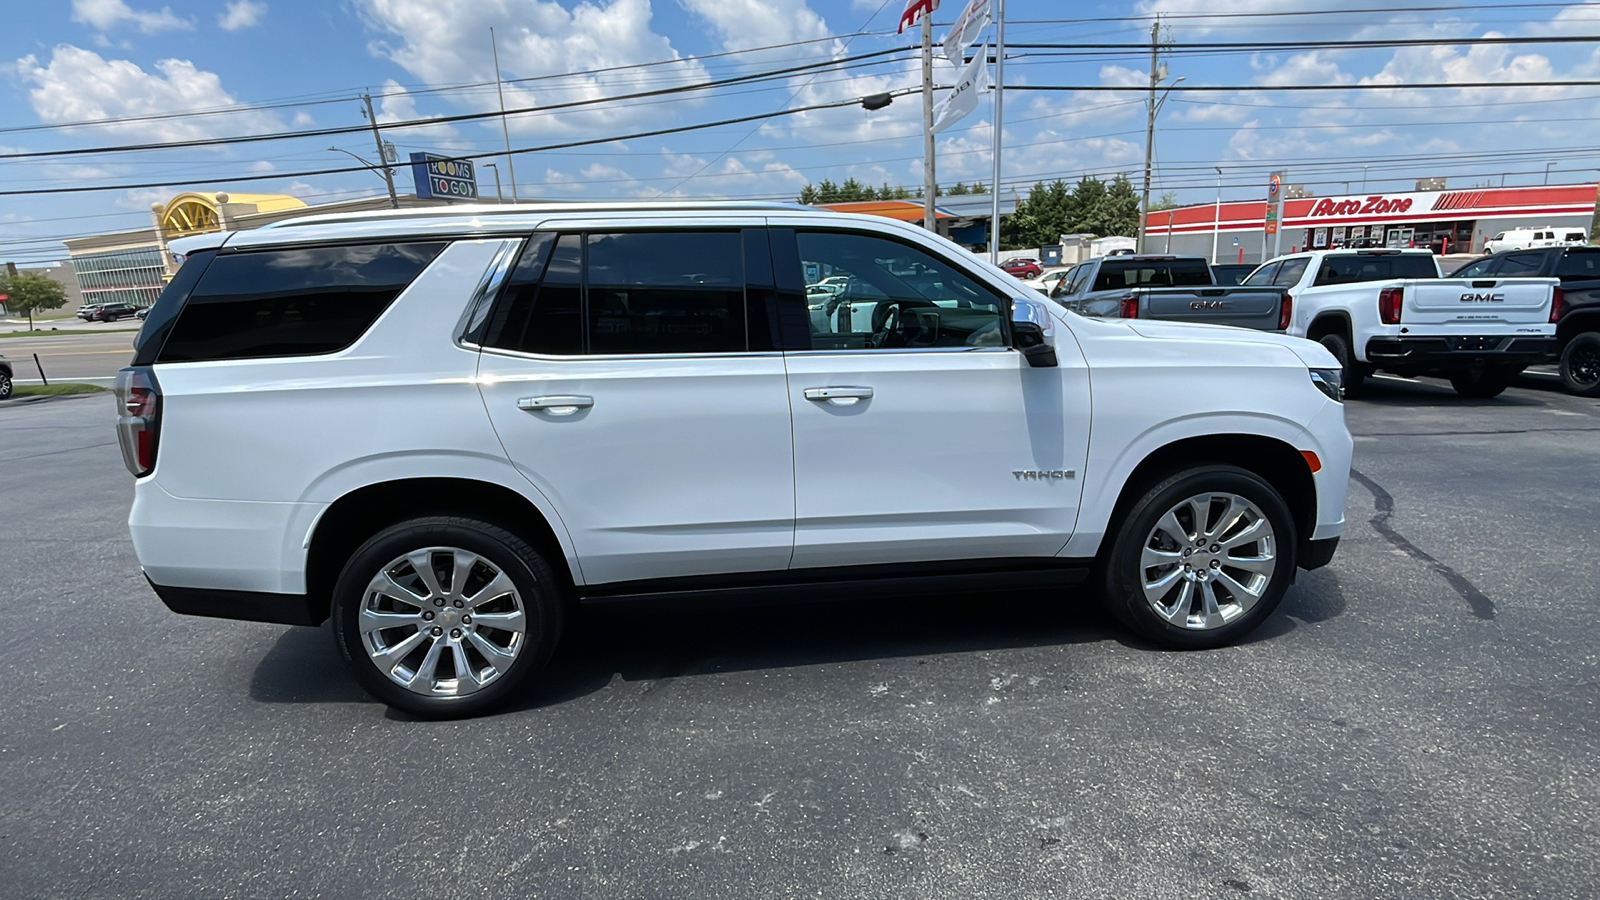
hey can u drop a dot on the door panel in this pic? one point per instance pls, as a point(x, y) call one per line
point(926, 467)
point(677, 466)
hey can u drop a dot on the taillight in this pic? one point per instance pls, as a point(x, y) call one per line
point(138, 418)
point(1558, 304)
point(1285, 308)
point(1130, 306)
point(1389, 305)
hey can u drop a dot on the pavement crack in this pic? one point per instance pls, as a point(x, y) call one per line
point(1383, 505)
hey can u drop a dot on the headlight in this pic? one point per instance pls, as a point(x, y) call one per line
point(1330, 382)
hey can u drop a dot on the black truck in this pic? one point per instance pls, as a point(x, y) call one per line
point(1577, 306)
point(1174, 288)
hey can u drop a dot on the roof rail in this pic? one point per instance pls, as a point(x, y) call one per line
point(540, 208)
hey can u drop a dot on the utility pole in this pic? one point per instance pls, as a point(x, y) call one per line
point(1216, 217)
point(505, 132)
point(377, 140)
point(1149, 127)
point(929, 184)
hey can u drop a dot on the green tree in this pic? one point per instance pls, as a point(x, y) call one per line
point(1167, 200)
point(808, 196)
point(977, 188)
point(1120, 208)
point(28, 291)
point(958, 189)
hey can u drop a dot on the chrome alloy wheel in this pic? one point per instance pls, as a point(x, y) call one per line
point(442, 622)
point(1208, 561)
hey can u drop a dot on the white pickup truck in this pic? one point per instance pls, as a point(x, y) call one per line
point(1390, 310)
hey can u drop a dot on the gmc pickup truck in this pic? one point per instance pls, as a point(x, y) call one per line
point(1577, 319)
point(1390, 310)
point(1175, 288)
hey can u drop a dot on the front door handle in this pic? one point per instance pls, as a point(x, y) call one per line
point(557, 405)
point(839, 396)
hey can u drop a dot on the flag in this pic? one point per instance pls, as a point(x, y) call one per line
point(913, 9)
point(968, 25)
point(963, 98)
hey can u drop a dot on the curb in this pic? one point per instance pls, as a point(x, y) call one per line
point(18, 401)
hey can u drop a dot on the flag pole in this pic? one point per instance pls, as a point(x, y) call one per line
point(999, 93)
point(929, 185)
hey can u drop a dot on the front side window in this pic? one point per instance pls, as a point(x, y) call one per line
point(1476, 269)
point(300, 301)
point(897, 296)
point(1289, 274)
point(1263, 275)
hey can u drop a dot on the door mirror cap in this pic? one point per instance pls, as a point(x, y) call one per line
point(1033, 331)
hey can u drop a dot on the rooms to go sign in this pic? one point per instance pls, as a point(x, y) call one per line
point(444, 178)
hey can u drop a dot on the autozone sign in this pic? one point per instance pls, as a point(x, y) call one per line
point(1375, 205)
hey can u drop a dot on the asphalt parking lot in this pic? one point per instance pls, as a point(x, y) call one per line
point(1418, 720)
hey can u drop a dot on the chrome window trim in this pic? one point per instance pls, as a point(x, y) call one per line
point(619, 357)
point(858, 352)
point(494, 277)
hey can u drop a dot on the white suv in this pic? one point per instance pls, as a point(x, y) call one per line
point(441, 427)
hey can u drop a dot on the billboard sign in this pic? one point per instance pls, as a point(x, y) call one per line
point(443, 178)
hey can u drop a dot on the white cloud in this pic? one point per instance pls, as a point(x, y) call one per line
point(262, 165)
point(141, 198)
point(241, 14)
point(744, 24)
point(449, 43)
point(1122, 76)
point(80, 85)
point(395, 104)
point(108, 14)
point(303, 119)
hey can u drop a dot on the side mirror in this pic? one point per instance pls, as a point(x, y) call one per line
point(1032, 331)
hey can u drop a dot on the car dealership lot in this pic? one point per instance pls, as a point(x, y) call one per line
point(1417, 720)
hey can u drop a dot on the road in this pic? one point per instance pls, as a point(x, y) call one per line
point(1418, 720)
point(93, 357)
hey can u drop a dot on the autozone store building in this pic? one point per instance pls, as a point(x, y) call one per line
point(1447, 221)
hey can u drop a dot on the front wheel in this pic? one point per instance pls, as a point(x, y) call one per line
point(1354, 373)
point(5, 385)
point(1201, 558)
point(444, 617)
point(1482, 384)
point(1580, 364)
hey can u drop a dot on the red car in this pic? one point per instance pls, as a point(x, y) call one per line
point(1022, 267)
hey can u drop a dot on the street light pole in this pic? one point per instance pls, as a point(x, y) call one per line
point(1547, 171)
point(1364, 178)
point(498, 197)
point(383, 172)
point(505, 132)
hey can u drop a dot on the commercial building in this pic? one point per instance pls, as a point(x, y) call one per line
point(1445, 220)
point(133, 266)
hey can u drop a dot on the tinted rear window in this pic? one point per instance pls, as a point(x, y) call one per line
point(1116, 274)
point(292, 302)
point(1579, 264)
point(1358, 267)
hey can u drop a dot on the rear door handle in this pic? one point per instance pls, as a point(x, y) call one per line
point(556, 405)
point(839, 396)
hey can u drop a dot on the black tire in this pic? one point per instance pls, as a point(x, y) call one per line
point(1123, 574)
point(536, 585)
point(5, 385)
point(1354, 372)
point(1481, 384)
point(1580, 364)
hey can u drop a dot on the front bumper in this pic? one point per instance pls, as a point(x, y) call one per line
point(1461, 351)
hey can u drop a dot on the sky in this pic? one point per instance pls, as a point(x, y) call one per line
point(87, 74)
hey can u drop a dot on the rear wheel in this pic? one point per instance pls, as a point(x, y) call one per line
point(1201, 558)
point(1354, 372)
point(5, 385)
point(444, 617)
point(1580, 364)
point(1482, 384)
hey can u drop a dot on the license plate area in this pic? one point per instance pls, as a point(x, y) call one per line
point(1470, 343)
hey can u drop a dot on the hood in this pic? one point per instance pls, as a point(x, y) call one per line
point(1311, 353)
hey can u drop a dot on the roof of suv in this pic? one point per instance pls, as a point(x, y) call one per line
point(487, 217)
